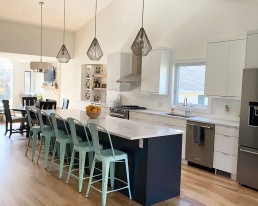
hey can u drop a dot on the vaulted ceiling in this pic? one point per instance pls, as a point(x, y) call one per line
point(78, 12)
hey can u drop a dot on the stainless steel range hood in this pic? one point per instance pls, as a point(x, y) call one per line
point(135, 76)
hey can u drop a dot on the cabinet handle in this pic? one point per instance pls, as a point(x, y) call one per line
point(255, 153)
point(201, 126)
point(226, 135)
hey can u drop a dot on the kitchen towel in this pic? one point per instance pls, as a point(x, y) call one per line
point(198, 134)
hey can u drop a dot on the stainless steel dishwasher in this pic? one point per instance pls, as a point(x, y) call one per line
point(201, 153)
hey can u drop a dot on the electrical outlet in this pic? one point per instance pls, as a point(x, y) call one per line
point(226, 108)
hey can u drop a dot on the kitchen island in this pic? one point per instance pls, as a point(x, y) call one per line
point(154, 155)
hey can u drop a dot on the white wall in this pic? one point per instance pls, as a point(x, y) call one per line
point(18, 81)
point(25, 39)
point(16, 38)
point(184, 25)
point(37, 80)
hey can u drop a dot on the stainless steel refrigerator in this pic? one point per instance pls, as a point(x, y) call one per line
point(247, 167)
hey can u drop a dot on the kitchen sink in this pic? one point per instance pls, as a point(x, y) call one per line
point(179, 115)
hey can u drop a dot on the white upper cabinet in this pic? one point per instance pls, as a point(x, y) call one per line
point(224, 68)
point(236, 66)
point(118, 65)
point(251, 51)
point(216, 69)
point(155, 71)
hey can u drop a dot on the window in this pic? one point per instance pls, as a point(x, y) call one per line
point(27, 82)
point(6, 74)
point(190, 79)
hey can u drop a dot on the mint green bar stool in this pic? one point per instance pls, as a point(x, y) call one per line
point(83, 148)
point(47, 134)
point(108, 157)
point(62, 138)
point(34, 131)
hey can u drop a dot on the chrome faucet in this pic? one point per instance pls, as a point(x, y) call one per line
point(187, 110)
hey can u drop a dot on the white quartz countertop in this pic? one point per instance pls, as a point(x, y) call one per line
point(210, 120)
point(127, 129)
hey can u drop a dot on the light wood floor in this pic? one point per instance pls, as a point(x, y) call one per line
point(22, 182)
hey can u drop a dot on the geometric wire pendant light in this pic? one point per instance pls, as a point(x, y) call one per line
point(141, 45)
point(40, 66)
point(63, 55)
point(94, 52)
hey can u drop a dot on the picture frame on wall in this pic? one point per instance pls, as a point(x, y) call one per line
point(99, 69)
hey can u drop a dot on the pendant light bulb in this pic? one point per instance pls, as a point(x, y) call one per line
point(95, 52)
point(63, 55)
point(141, 45)
point(40, 66)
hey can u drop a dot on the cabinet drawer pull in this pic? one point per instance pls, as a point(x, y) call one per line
point(201, 126)
point(255, 153)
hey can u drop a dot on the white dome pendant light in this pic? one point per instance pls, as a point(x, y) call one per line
point(40, 66)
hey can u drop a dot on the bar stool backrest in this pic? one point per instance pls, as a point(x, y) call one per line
point(72, 122)
point(94, 130)
point(28, 112)
point(43, 126)
point(54, 118)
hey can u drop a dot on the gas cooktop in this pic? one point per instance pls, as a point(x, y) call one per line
point(129, 107)
point(123, 111)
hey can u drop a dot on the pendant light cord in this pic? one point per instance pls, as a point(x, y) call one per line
point(41, 3)
point(142, 11)
point(96, 17)
point(64, 24)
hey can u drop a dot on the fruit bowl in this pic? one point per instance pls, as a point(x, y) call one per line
point(93, 115)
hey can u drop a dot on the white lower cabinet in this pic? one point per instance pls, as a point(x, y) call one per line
point(140, 117)
point(226, 149)
point(164, 121)
point(225, 162)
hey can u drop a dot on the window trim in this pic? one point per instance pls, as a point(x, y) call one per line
point(179, 106)
point(24, 81)
point(9, 68)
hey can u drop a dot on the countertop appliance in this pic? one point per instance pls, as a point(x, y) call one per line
point(200, 147)
point(247, 167)
point(123, 111)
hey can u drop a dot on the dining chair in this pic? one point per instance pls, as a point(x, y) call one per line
point(108, 157)
point(47, 133)
point(82, 148)
point(34, 131)
point(29, 101)
point(47, 105)
point(10, 120)
point(65, 103)
point(50, 100)
point(62, 138)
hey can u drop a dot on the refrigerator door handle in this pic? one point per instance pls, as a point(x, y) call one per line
point(255, 153)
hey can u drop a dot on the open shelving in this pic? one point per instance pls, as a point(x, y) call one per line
point(90, 91)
